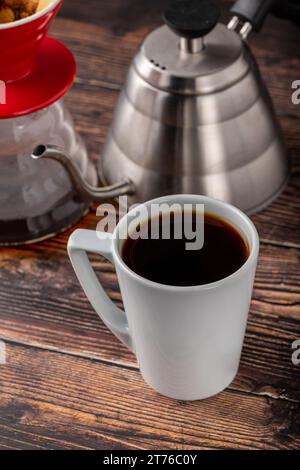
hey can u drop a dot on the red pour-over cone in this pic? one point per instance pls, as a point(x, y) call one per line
point(20, 42)
point(35, 70)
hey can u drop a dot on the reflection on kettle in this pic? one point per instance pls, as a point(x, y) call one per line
point(194, 115)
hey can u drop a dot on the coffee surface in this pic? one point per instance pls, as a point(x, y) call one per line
point(167, 261)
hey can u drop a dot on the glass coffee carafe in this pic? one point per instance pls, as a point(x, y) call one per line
point(37, 199)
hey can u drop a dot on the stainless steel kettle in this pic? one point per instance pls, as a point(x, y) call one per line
point(194, 115)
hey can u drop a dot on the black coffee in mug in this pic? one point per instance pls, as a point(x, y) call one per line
point(169, 262)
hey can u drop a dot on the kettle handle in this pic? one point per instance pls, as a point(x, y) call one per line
point(252, 13)
point(85, 190)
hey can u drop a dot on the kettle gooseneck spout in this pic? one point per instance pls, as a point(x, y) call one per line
point(85, 190)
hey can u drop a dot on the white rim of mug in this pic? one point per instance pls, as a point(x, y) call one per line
point(253, 239)
point(30, 18)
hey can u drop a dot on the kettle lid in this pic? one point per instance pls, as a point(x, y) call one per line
point(192, 53)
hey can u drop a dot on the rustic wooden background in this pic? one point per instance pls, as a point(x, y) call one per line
point(68, 383)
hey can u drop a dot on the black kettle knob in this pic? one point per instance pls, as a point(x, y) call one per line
point(191, 18)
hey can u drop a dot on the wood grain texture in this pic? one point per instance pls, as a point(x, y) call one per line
point(54, 402)
point(68, 382)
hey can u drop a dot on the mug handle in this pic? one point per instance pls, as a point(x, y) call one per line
point(80, 243)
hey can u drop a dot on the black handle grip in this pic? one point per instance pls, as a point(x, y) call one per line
point(287, 9)
point(191, 18)
point(254, 11)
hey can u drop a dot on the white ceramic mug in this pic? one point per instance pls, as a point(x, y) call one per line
point(187, 340)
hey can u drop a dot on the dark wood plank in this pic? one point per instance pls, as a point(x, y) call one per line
point(118, 16)
point(56, 401)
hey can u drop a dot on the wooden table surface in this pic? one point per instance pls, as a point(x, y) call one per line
point(68, 383)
